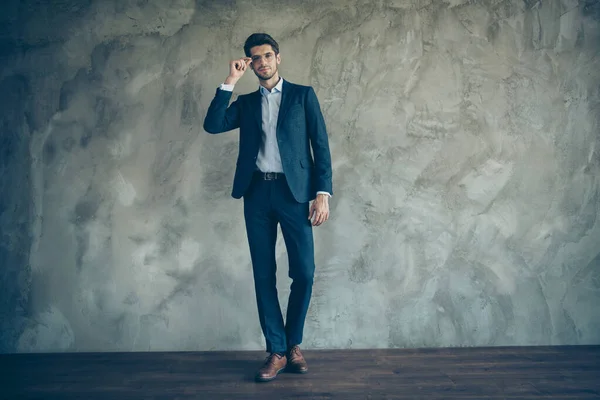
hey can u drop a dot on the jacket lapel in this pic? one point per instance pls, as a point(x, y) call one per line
point(286, 96)
point(257, 108)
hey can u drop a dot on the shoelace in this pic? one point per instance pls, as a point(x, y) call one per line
point(295, 351)
point(270, 357)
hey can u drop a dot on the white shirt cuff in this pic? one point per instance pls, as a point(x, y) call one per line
point(226, 87)
point(327, 193)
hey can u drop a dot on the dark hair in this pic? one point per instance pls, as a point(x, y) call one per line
point(258, 39)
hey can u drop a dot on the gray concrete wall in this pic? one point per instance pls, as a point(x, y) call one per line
point(466, 152)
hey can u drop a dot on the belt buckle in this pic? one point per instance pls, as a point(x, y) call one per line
point(270, 176)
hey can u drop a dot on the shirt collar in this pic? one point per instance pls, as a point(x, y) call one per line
point(277, 88)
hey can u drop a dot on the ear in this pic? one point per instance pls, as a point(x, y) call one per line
point(278, 58)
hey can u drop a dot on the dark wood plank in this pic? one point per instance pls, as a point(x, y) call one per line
point(561, 372)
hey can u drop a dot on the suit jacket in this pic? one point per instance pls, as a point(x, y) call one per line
point(300, 128)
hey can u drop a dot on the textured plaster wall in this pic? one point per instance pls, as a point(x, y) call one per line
point(466, 151)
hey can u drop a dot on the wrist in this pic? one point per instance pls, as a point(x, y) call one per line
point(230, 81)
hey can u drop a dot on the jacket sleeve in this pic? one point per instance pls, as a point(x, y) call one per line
point(220, 118)
point(319, 143)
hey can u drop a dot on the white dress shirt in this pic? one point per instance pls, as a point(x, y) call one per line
point(269, 159)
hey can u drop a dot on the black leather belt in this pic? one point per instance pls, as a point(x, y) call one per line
point(270, 176)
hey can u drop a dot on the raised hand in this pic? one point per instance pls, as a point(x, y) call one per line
point(237, 69)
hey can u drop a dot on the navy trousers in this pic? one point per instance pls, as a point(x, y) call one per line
point(266, 204)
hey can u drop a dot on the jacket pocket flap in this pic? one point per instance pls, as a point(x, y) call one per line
point(306, 164)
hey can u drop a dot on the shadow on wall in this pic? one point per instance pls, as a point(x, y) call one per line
point(591, 8)
point(15, 209)
point(24, 25)
point(33, 24)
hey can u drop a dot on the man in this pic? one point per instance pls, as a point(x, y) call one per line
point(278, 177)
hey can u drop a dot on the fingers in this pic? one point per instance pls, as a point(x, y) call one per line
point(312, 211)
point(320, 216)
point(237, 68)
point(320, 219)
point(242, 63)
point(317, 220)
point(319, 211)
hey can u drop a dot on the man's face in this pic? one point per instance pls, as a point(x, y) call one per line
point(264, 61)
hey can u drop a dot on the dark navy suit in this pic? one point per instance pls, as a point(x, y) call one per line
point(300, 129)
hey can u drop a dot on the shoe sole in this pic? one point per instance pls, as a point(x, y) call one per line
point(292, 370)
point(258, 379)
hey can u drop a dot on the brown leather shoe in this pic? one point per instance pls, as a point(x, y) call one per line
point(273, 365)
point(296, 362)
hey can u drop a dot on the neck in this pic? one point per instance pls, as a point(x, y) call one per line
point(270, 83)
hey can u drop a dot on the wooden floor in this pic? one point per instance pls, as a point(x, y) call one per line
point(459, 373)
